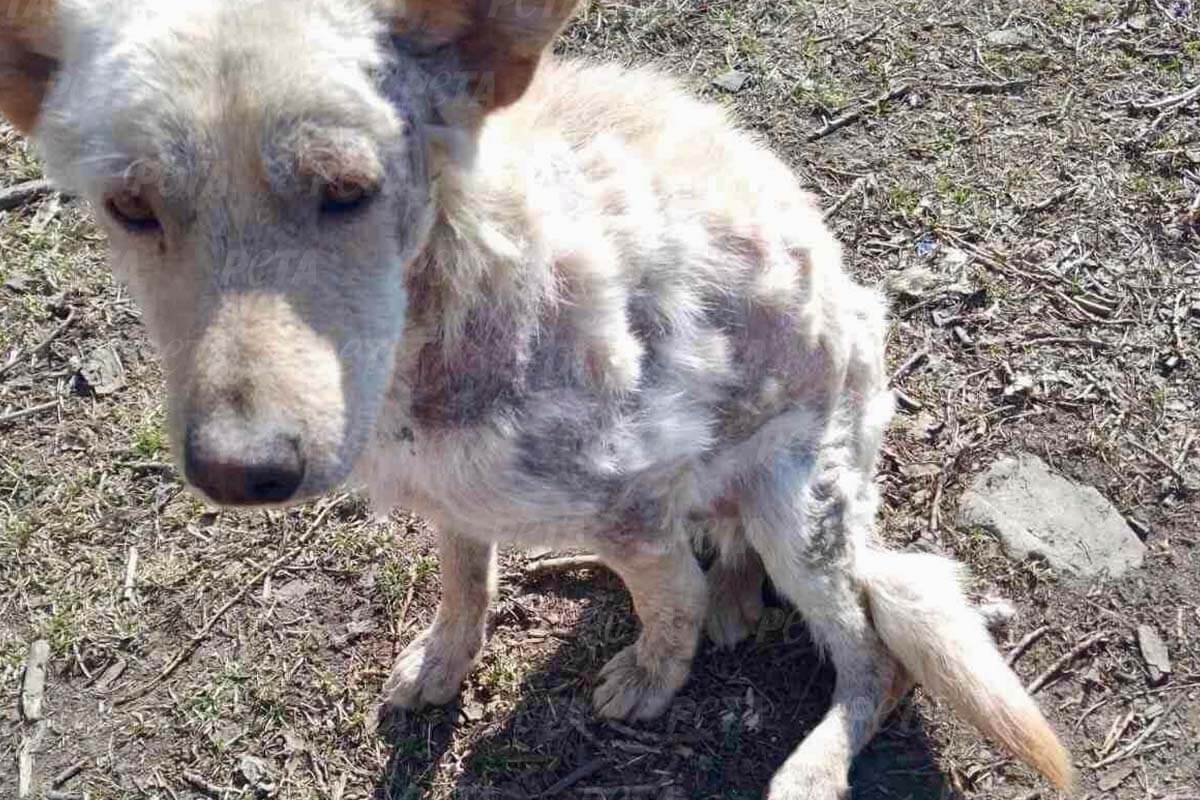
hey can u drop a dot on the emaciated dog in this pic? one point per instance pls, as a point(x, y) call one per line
point(536, 301)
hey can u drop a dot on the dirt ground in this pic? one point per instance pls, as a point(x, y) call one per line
point(1029, 186)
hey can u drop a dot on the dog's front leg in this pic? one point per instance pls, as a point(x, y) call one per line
point(670, 596)
point(432, 668)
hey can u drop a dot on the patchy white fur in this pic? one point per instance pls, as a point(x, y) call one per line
point(599, 315)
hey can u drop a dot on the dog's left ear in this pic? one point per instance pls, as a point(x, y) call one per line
point(28, 59)
point(499, 43)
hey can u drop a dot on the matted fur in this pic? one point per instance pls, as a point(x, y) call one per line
point(580, 307)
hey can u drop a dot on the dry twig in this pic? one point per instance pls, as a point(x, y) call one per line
point(1058, 666)
point(40, 346)
point(1133, 746)
point(24, 193)
point(6, 419)
point(1022, 646)
point(850, 117)
point(564, 564)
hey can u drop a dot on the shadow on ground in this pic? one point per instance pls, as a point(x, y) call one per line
point(735, 722)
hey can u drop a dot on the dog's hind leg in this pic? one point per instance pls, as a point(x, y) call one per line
point(669, 595)
point(804, 535)
point(735, 587)
point(432, 668)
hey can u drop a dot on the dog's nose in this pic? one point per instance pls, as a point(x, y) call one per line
point(237, 472)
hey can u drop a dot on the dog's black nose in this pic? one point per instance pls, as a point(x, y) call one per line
point(234, 471)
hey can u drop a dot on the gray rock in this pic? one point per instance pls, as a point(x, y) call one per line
point(103, 374)
point(731, 81)
point(254, 770)
point(1036, 512)
point(1018, 36)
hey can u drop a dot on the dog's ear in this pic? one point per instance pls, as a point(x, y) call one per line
point(499, 43)
point(28, 58)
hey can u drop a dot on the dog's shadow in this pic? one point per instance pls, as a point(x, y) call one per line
point(740, 715)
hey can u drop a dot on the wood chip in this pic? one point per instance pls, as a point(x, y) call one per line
point(128, 594)
point(110, 675)
point(1154, 651)
point(29, 745)
point(33, 689)
point(68, 773)
point(565, 564)
point(1114, 778)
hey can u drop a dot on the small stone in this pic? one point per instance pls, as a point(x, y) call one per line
point(919, 282)
point(1020, 387)
point(294, 743)
point(1154, 651)
point(731, 81)
point(1010, 37)
point(102, 374)
point(19, 283)
point(472, 711)
point(352, 632)
point(913, 282)
point(920, 470)
point(1034, 511)
point(293, 590)
point(255, 770)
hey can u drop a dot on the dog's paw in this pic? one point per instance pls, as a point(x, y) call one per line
point(630, 691)
point(735, 603)
point(808, 782)
point(429, 672)
point(733, 619)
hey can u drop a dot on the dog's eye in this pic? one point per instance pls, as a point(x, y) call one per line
point(133, 211)
point(345, 197)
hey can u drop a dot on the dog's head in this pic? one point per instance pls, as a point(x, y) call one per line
point(263, 169)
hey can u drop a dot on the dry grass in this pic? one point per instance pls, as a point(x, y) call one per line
point(1058, 213)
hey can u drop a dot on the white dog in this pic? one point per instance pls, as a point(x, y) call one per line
point(533, 300)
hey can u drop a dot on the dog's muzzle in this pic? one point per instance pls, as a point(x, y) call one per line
point(243, 467)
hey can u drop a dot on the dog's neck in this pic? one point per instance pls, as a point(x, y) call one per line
point(483, 251)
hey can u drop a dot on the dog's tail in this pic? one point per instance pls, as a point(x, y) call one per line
point(919, 610)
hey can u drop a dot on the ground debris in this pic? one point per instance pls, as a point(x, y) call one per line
point(1154, 651)
point(1018, 36)
point(33, 688)
point(257, 773)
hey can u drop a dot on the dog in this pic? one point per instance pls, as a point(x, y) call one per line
point(534, 300)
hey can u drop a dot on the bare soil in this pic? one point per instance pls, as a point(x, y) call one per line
point(1029, 190)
